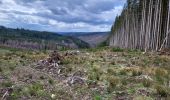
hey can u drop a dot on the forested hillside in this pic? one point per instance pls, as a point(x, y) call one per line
point(93, 38)
point(143, 24)
point(21, 38)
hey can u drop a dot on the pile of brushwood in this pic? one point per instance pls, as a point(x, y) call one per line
point(54, 66)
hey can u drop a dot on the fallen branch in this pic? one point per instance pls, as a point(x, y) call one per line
point(8, 92)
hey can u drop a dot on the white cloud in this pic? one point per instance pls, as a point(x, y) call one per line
point(60, 15)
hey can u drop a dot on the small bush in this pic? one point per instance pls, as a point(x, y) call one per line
point(50, 81)
point(160, 72)
point(136, 72)
point(66, 62)
point(113, 63)
point(35, 89)
point(94, 76)
point(97, 70)
point(111, 71)
point(97, 97)
point(124, 81)
point(162, 91)
point(113, 82)
point(123, 72)
point(68, 69)
point(23, 56)
point(42, 77)
point(7, 84)
point(160, 61)
point(146, 83)
point(133, 50)
point(160, 79)
point(103, 44)
point(117, 50)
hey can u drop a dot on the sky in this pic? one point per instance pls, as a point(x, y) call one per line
point(60, 15)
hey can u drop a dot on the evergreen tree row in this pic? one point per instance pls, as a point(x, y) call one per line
point(143, 24)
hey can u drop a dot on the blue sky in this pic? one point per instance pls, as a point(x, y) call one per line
point(60, 15)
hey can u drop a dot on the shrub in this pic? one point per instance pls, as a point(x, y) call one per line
point(7, 84)
point(50, 81)
point(124, 81)
point(123, 72)
point(23, 56)
point(113, 82)
point(160, 61)
point(162, 91)
point(35, 89)
point(146, 83)
point(160, 79)
point(160, 72)
point(97, 97)
point(136, 72)
point(113, 63)
point(42, 77)
point(94, 76)
point(133, 50)
point(68, 69)
point(66, 62)
point(111, 71)
point(117, 50)
point(17, 92)
point(97, 70)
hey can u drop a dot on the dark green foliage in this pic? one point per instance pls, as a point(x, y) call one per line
point(80, 43)
point(117, 50)
point(97, 97)
point(50, 81)
point(37, 40)
point(103, 44)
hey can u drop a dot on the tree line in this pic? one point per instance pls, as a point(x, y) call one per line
point(28, 39)
point(143, 24)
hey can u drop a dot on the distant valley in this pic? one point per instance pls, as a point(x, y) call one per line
point(93, 38)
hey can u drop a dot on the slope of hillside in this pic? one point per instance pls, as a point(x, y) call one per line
point(93, 38)
point(21, 38)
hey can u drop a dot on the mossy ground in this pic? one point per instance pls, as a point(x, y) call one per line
point(110, 74)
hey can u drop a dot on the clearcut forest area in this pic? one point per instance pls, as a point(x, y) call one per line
point(129, 62)
point(100, 73)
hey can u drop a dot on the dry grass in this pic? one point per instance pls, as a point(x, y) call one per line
point(108, 73)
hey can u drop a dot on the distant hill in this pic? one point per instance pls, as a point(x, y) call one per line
point(93, 38)
point(22, 38)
